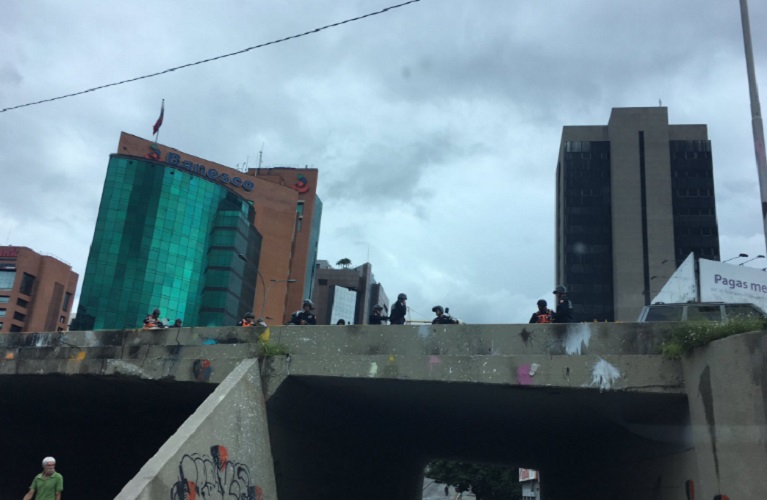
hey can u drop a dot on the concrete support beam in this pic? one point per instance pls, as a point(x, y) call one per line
point(727, 395)
point(223, 449)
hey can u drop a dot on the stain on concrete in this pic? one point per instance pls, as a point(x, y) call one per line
point(523, 375)
point(576, 338)
point(424, 331)
point(526, 336)
point(392, 369)
point(123, 368)
point(604, 375)
point(373, 350)
point(434, 360)
point(706, 394)
point(373, 369)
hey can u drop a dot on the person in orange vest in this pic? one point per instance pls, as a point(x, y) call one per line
point(247, 320)
point(543, 314)
point(153, 321)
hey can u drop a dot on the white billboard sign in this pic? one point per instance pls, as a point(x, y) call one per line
point(681, 286)
point(731, 283)
point(527, 475)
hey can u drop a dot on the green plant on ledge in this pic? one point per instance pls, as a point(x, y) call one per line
point(268, 349)
point(688, 335)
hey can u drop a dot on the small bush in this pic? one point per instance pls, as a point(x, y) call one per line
point(268, 349)
point(688, 335)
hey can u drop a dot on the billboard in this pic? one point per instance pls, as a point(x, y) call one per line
point(681, 286)
point(730, 283)
point(527, 475)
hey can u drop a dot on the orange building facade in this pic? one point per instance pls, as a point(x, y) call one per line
point(287, 215)
point(36, 291)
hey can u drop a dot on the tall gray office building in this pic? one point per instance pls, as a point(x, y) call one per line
point(634, 198)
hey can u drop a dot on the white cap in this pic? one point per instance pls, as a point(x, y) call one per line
point(48, 460)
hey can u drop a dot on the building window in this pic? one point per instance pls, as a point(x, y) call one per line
point(15, 328)
point(62, 319)
point(27, 283)
point(67, 299)
point(22, 303)
point(7, 278)
point(4, 300)
point(19, 316)
point(2, 313)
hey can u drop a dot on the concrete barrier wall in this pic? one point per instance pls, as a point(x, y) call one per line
point(727, 394)
point(221, 451)
point(575, 338)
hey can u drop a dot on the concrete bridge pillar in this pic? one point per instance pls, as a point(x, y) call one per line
point(727, 394)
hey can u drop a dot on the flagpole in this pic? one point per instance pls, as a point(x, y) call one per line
point(158, 124)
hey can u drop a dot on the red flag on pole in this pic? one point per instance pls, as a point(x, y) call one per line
point(158, 123)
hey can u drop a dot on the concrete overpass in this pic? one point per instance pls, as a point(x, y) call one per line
point(342, 410)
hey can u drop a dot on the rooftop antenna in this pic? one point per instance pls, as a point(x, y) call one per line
point(261, 156)
point(660, 103)
point(247, 159)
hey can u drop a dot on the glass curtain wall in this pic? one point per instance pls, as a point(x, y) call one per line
point(157, 244)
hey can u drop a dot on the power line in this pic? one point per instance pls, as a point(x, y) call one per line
point(183, 66)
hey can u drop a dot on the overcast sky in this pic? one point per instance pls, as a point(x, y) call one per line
point(435, 126)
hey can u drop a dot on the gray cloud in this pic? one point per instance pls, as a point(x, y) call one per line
point(435, 127)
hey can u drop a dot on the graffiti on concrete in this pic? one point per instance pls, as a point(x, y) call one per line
point(689, 489)
point(604, 375)
point(202, 370)
point(525, 373)
point(212, 477)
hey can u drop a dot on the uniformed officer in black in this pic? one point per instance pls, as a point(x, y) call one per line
point(376, 317)
point(442, 318)
point(399, 310)
point(304, 316)
point(564, 312)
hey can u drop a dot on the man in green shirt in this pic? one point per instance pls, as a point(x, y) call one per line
point(47, 485)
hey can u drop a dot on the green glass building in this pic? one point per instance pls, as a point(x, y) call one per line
point(169, 239)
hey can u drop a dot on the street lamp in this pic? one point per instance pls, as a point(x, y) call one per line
point(736, 257)
point(263, 283)
point(749, 260)
point(266, 292)
point(245, 260)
